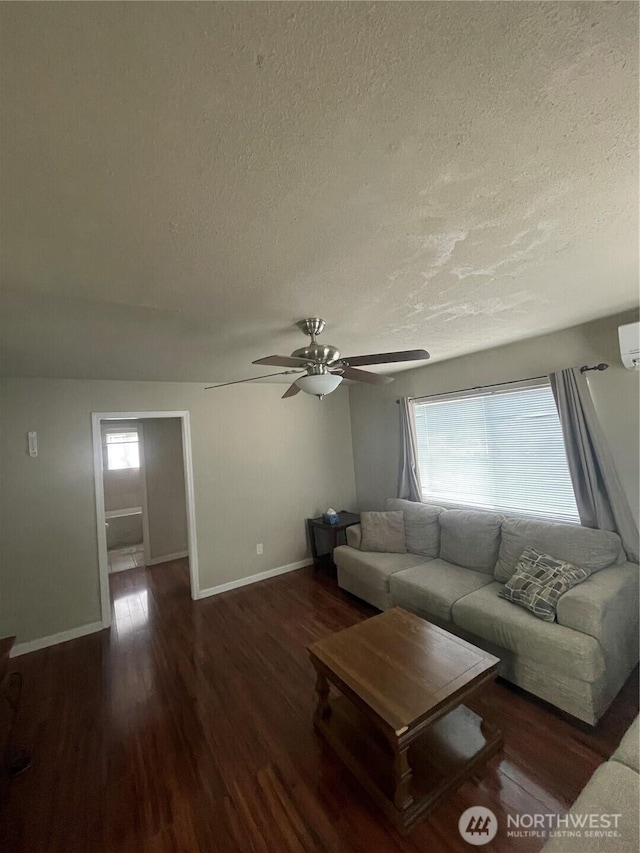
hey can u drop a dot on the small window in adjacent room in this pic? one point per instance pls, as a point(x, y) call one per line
point(500, 450)
point(122, 450)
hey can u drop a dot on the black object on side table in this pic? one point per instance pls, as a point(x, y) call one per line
point(345, 519)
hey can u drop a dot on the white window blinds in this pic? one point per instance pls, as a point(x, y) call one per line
point(501, 450)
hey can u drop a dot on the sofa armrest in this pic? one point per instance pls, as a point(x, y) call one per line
point(354, 536)
point(606, 607)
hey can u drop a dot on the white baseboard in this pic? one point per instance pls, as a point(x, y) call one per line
point(167, 559)
point(93, 627)
point(54, 639)
point(261, 576)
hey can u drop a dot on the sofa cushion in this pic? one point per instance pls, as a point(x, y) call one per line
point(612, 790)
point(606, 607)
point(582, 546)
point(354, 535)
point(421, 527)
point(470, 538)
point(383, 531)
point(538, 582)
point(627, 752)
point(563, 650)
point(432, 588)
point(373, 568)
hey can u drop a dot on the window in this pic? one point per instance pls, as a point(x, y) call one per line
point(501, 450)
point(122, 450)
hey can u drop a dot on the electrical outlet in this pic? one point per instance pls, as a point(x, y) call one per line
point(259, 548)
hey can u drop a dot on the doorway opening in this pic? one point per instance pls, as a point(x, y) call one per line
point(145, 509)
point(124, 485)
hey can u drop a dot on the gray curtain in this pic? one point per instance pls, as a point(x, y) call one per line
point(408, 477)
point(601, 500)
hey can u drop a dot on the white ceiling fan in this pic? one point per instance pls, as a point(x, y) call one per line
point(323, 366)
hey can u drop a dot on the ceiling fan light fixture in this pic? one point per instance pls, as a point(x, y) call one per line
point(319, 384)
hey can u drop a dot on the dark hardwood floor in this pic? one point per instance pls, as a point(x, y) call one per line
point(188, 727)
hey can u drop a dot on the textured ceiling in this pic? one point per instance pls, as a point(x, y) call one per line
point(183, 181)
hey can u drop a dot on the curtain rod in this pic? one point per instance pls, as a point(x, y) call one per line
point(601, 366)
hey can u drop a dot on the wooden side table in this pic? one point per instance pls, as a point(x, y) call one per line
point(345, 519)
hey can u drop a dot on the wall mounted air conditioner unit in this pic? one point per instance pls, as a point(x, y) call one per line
point(630, 345)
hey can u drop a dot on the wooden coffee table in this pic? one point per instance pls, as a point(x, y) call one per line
point(400, 724)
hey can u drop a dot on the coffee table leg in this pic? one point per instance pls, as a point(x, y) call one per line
point(323, 708)
point(401, 778)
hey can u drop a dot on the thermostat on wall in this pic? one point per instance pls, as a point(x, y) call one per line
point(33, 444)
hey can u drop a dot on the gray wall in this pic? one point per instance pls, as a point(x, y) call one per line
point(164, 474)
point(375, 419)
point(261, 465)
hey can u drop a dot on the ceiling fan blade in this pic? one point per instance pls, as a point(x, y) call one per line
point(291, 391)
point(252, 379)
point(282, 361)
point(365, 376)
point(385, 357)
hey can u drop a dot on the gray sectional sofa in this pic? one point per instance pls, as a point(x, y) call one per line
point(457, 560)
point(614, 789)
